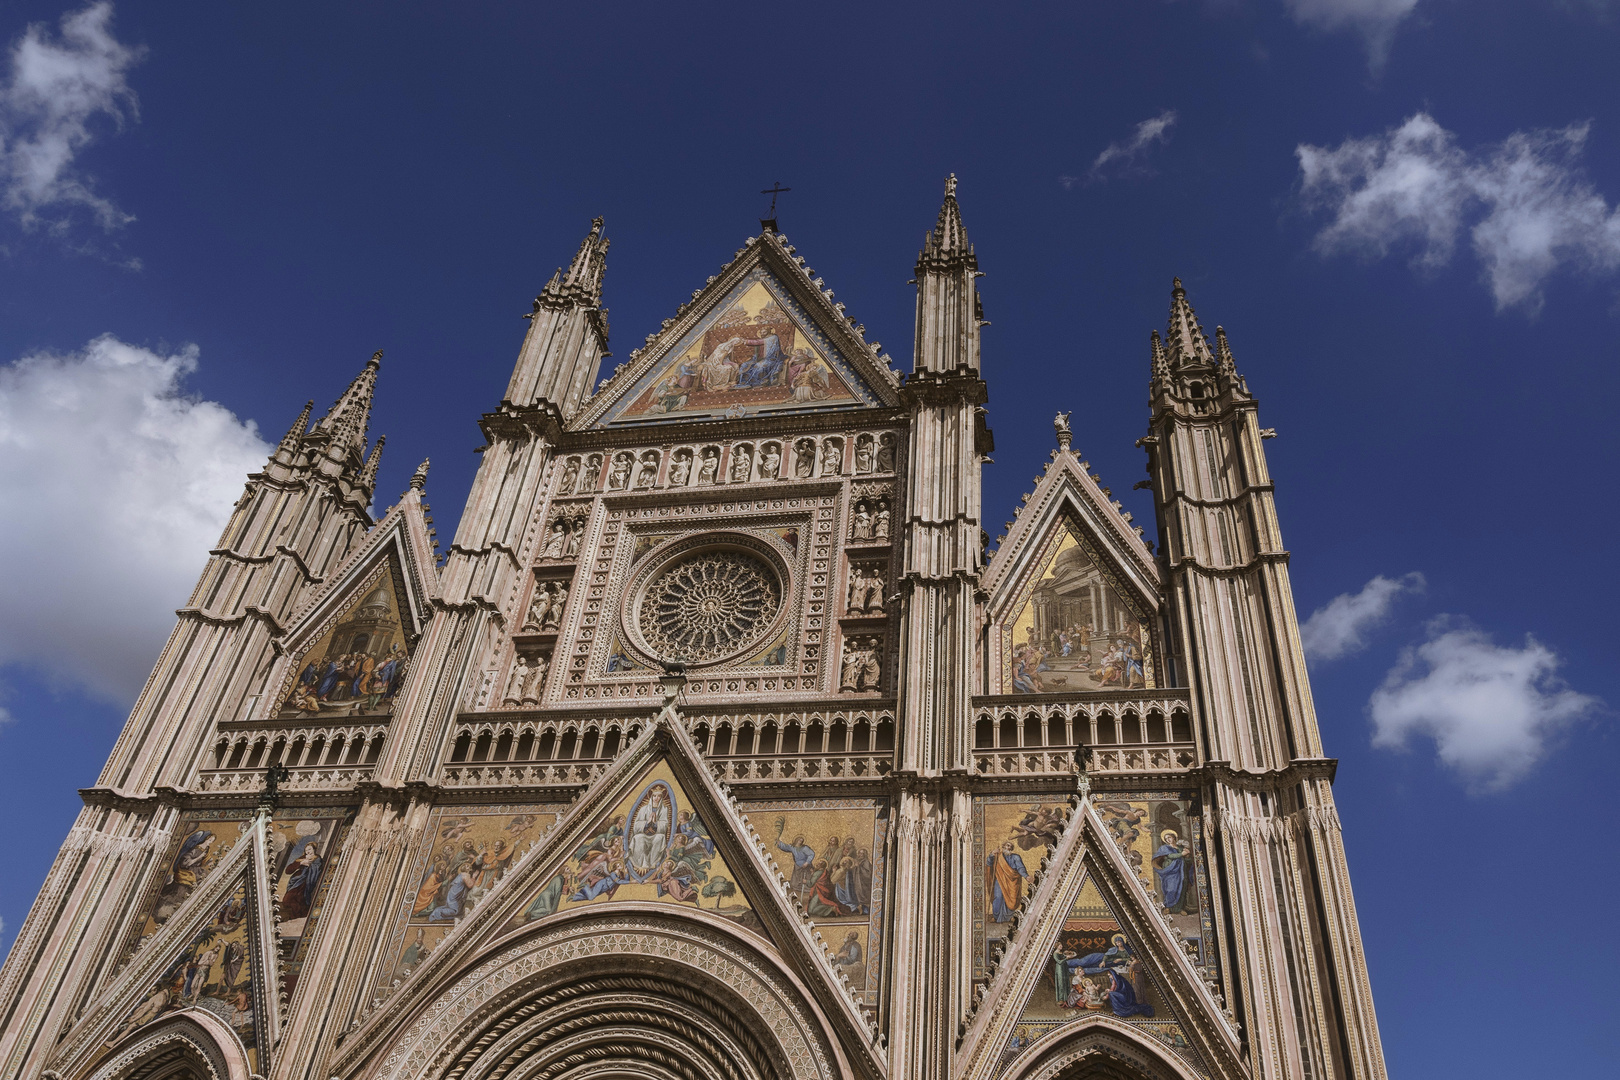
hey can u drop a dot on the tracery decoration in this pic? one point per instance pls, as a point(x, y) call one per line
point(709, 605)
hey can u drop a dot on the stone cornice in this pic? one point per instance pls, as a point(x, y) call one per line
point(1188, 562)
point(1269, 780)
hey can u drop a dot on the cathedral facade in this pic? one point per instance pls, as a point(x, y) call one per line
point(723, 741)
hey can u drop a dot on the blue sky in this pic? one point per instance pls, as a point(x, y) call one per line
point(1402, 211)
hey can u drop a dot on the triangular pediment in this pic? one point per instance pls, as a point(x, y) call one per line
point(761, 339)
point(215, 954)
point(347, 652)
point(654, 832)
point(1074, 593)
point(1096, 952)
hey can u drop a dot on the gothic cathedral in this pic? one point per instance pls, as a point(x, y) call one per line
point(723, 741)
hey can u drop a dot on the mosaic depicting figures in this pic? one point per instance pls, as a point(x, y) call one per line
point(752, 354)
point(1094, 967)
point(1012, 835)
point(1077, 630)
point(303, 849)
point(465, 851)
point(653, 846)
point(1160, 836)
point(357, 667)
point(832, 853)
point(214, 972)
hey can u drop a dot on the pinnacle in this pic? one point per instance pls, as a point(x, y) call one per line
point(1184, 337)
point(295, 433)
point(419, 477)
point(368, 472)
point(582, 281)
point(346, 421)
point(949, 239)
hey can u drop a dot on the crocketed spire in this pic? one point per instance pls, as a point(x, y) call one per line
point(949, 240)
point(1185, 338)
point(345, 423)
point(582, 282)
point(368, 472)
point(295, 434)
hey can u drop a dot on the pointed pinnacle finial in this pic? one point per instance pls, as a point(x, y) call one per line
point(376, 359)
point(368, 472)
point(949, 239)
point(419, 477)
point(295, 433)
point(1175, 286)
point(1184, 338)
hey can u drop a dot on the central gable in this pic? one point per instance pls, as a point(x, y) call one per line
point(755, 351)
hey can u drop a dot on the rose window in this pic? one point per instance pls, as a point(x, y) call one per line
point(709, 605)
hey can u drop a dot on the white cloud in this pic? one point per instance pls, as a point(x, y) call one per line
point(56, 90)
point(1490, 709)
point(1375, 20)
point(114, 484)
point(1340, 626)
point(1533, 210)
point(1125, 157)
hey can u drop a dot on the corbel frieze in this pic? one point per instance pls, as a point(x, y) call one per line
point(944, 388)
point(1219, 504)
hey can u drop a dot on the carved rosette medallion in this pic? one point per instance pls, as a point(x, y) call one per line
point(707, 605)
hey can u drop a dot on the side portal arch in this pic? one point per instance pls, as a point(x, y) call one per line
point(188, 1045)
point(1099, 1048)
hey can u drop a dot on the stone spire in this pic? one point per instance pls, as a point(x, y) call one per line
point(346, 422)
point(949, 312)
point(286, 451)
point(948, 243)
point(582, 283)
point(568, 333)
point(368, 471)
point(1185, 337)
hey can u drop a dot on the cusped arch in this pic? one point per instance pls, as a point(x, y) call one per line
point(1098, 1047)
point(631, 992)
point(187, 1045)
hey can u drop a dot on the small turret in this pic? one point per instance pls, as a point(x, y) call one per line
point(949, 313)
point(1187, 374)
point(345, 424)
point(368, 472)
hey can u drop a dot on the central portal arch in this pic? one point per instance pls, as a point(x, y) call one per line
point(633, 994)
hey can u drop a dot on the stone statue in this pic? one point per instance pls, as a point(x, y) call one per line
point(709, 466)
point(853, 662)
point(535, 682)
point(619, 475)
point(538, 607)
point(804, 463)
point(857, 590)
point(648, 474)
point(863, 454)
point(871, 669)
point(862, 529)
point(770, 461)
point(558, 600)
point(880, 527)
point(885, 453)
point(681, 469)
point(1060, 424)
point(514, 682)
point(741, 461)
point(556, 542)
point(832, 457)
point(872, 598)
point(593, 470)
point(570, 477)
point(576, 530)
